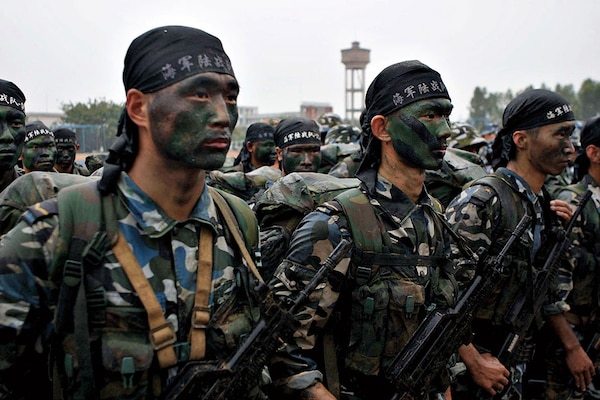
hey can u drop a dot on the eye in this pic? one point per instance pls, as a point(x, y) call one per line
point(232, 98)
point(202, 95)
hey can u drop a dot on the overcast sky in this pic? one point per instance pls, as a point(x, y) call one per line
point(286, 52)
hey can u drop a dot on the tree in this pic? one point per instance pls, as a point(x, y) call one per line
point(95, 122)
point(589, 98)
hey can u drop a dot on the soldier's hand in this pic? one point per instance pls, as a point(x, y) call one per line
point(316, 392)
point(486, 370)
point(563, 210)
point(581, 367)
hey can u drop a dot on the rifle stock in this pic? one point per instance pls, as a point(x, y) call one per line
point(234, 378)
point(442, 332)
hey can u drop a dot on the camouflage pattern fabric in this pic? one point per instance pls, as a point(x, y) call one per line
point(16, 172)
point(333, 153)
point(347, 167)
point(80, 170)
point(583, 299)
point(29, 189)
point(370, 320)
point(167, 251)
point(284, 204)
point(247, 186)
point(459, 167)
point(485, 215)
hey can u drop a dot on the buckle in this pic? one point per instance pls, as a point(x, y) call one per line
point(201, 317)
point(159, 338)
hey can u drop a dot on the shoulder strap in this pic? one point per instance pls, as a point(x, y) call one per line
point(229, 216)
point(357, 207)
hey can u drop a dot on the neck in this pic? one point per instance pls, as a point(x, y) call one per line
point(534, 178)
point(406, 178)
point(594, 172)
point(176, 190)
point(5, 178)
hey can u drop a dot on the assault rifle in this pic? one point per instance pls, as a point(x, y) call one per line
point(443, 331)
point(234, 378)
point(526, 308)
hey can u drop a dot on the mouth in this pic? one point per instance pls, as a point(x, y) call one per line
point(220, 143)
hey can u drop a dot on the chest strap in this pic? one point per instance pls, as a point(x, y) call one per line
point(162, 333)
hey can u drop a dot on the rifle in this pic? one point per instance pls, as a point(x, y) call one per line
point(442, 332)
point(232, 379)
point(523, 312)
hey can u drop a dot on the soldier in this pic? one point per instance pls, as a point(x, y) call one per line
point(258, 149)
point(583, 299)
point(341, 142)
point(533, 143)
point(39, 148)
point(119, 258)
point(298, 143)
point(12, 131)
point(370, 305)
point(67, 147)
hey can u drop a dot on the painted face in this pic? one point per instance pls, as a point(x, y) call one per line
point(65, 157)
point(419, 132)
point(263, 153)
point(192, 120)
point(39, 154)
point(301, 158)
point(12, 132)
point(550, 147)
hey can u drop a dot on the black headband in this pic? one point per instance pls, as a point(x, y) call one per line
point(11, 95)
point(35, 129)
point(297, 130)
point(259, 131)
point(530, 109)
point(169, 54)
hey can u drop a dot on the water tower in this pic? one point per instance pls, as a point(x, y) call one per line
point(355, 59)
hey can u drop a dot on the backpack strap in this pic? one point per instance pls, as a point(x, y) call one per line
point(231, 220)
point(357, 207)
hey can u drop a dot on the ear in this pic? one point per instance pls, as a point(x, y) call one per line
point(137, 107)
point(378, 127)
point(279, 154)
point(249, 147)
point(593, 153)
point(520, 139)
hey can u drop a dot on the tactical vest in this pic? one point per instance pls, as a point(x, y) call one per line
point(81, 309)
point(391, 292)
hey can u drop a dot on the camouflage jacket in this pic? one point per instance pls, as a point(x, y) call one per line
point(248, 186)
point(485, 214)
point(347, 166)
point(584, 298)
point(372, 319)
point(117, 322)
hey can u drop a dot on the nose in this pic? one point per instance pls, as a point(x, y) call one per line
point(220, 116)
point(5, 134)
point(307, 158)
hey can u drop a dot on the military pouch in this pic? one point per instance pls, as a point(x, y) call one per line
point(368, 333)
point(406, 308)
point(126, 353)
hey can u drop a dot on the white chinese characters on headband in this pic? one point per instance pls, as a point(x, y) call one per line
point(558, 111)
point(11, 101)
point(301, 135)
point(412, 91)
point(187, 63)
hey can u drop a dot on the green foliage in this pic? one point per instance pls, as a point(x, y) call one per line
point(486, 108)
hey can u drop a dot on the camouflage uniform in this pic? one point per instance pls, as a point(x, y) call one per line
point(371, 310)
point(485, 214)
point(32, 265)
point(248, 186)
point(333, 153)
point(29, 189)
point(347, 166)
point(458, 169)
point(583, 299)
point(15, 174)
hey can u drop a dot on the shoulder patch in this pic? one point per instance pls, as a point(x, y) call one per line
point(39, 211)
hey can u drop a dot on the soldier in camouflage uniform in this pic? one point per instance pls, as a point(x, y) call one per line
point(533, 143)
point(370, 305)
point(584, 315)
point(67, 147)
point(258, 149)
point(142, 268)
point(12, 131)
point(298, 143)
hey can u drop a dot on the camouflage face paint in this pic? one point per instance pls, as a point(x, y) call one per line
point(191, 121)
point(12, 132)
point(264, 152)
point(65, 157)
point(39, 154)
point(419, 132)
point(301, 158)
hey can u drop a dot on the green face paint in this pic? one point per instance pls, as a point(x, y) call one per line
point(301, 158)
point(39, 154)
point(191, 121)
point(264, 152)
point(419, 132)
point(12, 132)
point(65, 157)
